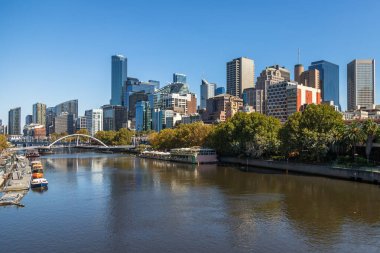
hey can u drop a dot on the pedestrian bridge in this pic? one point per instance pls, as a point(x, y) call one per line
point(78, 136)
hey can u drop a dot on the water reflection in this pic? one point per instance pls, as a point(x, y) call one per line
point(161, 206)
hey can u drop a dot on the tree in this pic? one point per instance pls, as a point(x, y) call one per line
point(107, 137)
point(371, 130)
point(311, 133)
point(3, 142)
point(353, 135)
point(123, 137)
point(251, 134)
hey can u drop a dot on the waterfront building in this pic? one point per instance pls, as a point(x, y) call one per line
point(118, 76)
point(39, 113)
point(286, 98)
point(36, 131)
point(222, 107)
point(133, 99)
point(71, 107)
point(328, 80)
point(28, 119)
point(181, 103)
point(81, 123)
point(64, 123)
point(49, 125)
point(143, 116)
point(361, 84)
point(94, 120)
point(14, 121)
point(207, 91)
point(254, 97)
point(219, 91)
point(174, 120)
point(114, 117)
point(179, 78)
point(240, 75)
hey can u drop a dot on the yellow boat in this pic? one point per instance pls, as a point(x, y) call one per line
point(37, 170)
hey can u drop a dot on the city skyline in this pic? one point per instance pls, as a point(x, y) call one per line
point(81, 65)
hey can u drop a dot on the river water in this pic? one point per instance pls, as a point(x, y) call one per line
point(119, 203)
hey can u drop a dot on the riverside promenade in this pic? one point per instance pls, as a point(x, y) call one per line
point(369, 175)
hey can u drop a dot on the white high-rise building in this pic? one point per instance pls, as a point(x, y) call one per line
point(94, 120)
point(361, 84)
point(207, 91)
point(240, 76)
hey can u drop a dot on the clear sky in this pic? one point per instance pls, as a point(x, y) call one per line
point(53, 51)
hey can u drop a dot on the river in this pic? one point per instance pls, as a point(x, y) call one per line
point(120, 203)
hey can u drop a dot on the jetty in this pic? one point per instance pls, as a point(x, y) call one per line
point(15, 180)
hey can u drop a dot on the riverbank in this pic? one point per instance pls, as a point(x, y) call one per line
point(367, 175)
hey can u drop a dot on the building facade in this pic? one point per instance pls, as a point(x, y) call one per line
point(361, 84)
point(64, 123)
point(28, 119)
point(286, 98)
point(118, 76)
point(39, 113)
point(219, 91)
point(94, 120)
point(71, 107)
point(143, 116)
point(254, 97)
point(14, 121)
point(329, 80)
point(179, 78)
point(114, 117)
point(207, 91)
point(240, 76)
point(222, 107)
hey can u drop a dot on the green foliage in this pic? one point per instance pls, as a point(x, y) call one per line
point(121, 137)
point(251, 134)
point(311, 134)
point(3, 142)
point(353, 135)
point(185, 135)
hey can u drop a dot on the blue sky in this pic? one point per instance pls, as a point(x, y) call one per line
point(53, 51)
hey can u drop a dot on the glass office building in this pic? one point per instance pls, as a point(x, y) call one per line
point(118, 76)
point(179, 78)
point(14, 121)
point(329, 80)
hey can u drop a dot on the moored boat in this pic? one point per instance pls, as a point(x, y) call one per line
point(39, 182)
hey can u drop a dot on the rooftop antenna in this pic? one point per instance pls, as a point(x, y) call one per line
point(299, 54)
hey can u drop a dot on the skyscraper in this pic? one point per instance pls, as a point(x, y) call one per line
point(118, 76)
point(143, 116)
point(361, 84)
point(39, 113)
point(220, 90)
point(28, 119)
point(207, 91)
point(70, 107)
point(179, 78)
point(329, 80)
point(240, 75)
point(14, 121)
point(94, 120)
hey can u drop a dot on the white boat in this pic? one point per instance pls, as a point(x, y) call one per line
point(39, 182)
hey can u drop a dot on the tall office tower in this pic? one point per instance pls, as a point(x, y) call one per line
point(361, 84)
point(71, 107)
point(240, 75)
point(118, 76)
point(179, 78)
point(143, 116)
point(63, 123)
point(219, 91)
point(298, 70)
point(28, 119)
point(50, 115)
point(328, 80)
point(207, 91)
point(114, 117)
point(39, 113)
point(14, 121)
point(94, 120)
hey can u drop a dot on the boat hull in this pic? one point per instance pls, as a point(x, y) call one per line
point(38, 185)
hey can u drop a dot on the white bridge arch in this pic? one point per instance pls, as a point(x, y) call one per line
point(78, 135)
